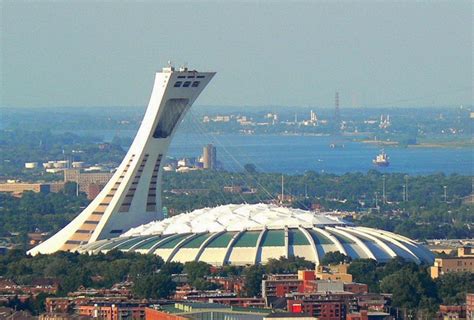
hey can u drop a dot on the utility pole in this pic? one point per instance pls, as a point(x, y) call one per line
point(384, 198)
point(404, 193)
point(445, 194)
point(282, 188)
point(406, 188)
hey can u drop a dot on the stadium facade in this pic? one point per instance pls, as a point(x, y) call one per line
point(248, 234)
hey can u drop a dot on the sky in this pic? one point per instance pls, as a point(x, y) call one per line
point(265, 53)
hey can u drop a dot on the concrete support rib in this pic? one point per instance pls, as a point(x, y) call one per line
point(258, 248)
point(382, 244)
point(311, 241)
point(160, 242)
point(360, 243)
point(391, 234)
point(205, 243)
point(230, 246)
point(131, 197)
point(132, 248)
point(378, 233)
point(333, 239)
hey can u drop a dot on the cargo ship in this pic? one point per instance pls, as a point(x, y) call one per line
point(381, 160)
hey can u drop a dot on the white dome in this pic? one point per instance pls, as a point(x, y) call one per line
point(247, 234)
point(234, 217)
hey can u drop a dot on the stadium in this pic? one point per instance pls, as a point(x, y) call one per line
point(248, 234)
point(127, 214)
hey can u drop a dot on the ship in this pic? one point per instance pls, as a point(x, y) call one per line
point(381, 160)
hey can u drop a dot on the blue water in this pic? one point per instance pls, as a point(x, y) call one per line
point(297, 154)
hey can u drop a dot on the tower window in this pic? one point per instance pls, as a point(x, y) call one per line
point(200, 77)
point(195, 84)
point(169, 117)
point(177, 84)
point(181, 77)
point(186, 84)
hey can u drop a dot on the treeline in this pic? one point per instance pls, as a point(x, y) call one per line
point(32, 211)
point(410, 284)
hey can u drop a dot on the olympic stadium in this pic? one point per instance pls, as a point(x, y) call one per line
point(249, 234)
point(127, 214)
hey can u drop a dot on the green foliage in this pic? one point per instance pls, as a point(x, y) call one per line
point(201, 284)
point(287, 265)
point(74, 270)
point(452, 287)
point(196, 271)
point(47, 212)
point(253, 276)
point(335, 257)
point(412, 288)
point(154, 286)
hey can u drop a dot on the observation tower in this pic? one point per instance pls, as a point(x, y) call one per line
point(132, 197)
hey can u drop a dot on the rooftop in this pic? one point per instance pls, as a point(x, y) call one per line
point(238, 217)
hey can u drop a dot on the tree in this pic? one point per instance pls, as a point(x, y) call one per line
point(365, 271)
point(288, 265)
point(197, 270)
point(411, 288)
point(335, 257)
point(250, 168)
point(452, 287)
point(253, 280)
point(154, 286)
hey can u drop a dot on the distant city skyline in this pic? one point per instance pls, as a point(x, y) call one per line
point(265, 53)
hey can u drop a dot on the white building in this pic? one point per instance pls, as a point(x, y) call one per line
point(132, 196)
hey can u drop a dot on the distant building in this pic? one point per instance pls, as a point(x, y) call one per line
point(18, 188)
point(209, 157)
point(113, 310)
point(31, 165)
point(455, 264)
point(449, 312)
point(466, 252)
point(470, 306)
point(334, 272)
point(35, 238)
point(89, 182)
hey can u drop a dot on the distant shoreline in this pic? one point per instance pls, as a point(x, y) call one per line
point(446, 144)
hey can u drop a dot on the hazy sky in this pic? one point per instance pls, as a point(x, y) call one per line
point(92, 53)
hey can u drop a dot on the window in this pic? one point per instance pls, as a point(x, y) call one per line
point(190, 77)
point(177, 84)
point(169, 117)
point(195, 84)
point(186, 84)
point(200, 77)
point(181, 77)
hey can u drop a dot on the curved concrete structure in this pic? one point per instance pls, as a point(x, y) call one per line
point(132, 197)
point(249, 234)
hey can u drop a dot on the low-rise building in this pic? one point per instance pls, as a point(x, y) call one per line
point(182, 311)
point(112, 310)
point(442, 266)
